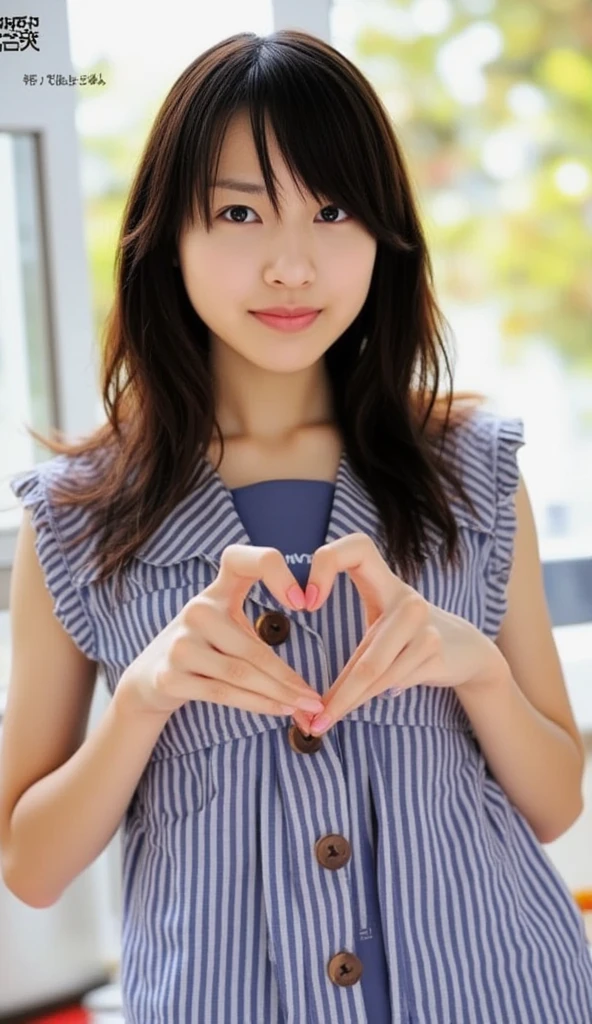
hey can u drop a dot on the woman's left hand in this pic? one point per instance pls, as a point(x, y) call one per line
point(408, 640)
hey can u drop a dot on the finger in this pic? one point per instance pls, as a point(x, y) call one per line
point(377, 656)
point(345, 673)
point(211, 624)
point(401, 672)
point(303, 720)
point(357, 555)
point(192, 686)
point(417, 676)
point(242, 565)
point(206, 662)
point(412, 671)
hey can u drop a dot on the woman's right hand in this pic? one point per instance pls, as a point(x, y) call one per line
point(210, 651)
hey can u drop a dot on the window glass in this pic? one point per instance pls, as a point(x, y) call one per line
point(25, 377)
point(491, 102)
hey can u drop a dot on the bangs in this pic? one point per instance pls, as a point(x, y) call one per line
point(327, 136)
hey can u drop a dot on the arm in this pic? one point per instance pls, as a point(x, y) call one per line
point(522, 715)
point(62, 797)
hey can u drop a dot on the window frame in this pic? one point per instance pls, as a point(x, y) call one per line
point(48, 113)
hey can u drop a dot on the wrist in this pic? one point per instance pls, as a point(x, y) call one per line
point(129, 704)
point(495, 675)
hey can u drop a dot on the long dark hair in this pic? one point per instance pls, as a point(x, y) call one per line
point(384, 370)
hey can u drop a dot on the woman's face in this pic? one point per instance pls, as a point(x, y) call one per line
point(314, 255)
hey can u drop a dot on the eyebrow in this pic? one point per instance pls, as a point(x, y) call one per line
point(236, 185)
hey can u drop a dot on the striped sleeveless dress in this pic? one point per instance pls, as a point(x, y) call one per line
point(266, 880)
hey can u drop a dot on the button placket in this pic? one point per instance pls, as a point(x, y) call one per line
point(274, 629)
point(333, 850)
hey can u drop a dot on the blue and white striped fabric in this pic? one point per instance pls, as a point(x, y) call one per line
point(228, 916)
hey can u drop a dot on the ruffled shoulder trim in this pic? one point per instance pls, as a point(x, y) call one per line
point(69, 604)
point(509, 437)
point(473, 449)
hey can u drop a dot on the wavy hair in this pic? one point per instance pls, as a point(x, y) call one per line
point(384, 370)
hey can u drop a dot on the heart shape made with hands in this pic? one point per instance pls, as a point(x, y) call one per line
point(408, 641)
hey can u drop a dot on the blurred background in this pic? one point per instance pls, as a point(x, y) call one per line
point(492, 102)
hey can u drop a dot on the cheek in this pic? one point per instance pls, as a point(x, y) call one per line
point(218, 285)
point(353, 254)
point(351, 272)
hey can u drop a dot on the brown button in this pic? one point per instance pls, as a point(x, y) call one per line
point(333, 851)
point(303, 744)
point(273, 627)
point(345, 969)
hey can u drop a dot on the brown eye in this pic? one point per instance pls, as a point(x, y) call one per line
point(232, 208)
point(334, 208)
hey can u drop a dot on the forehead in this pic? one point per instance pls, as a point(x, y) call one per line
point(238, 142)
point(238, 155)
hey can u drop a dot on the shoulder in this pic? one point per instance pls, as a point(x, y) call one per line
point(48, 491)
point(58, 543)
point(481, 445)
point(57, 470)
point(478, 434)
point(53, 484)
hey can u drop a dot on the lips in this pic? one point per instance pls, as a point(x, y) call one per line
point(286, 323)
point(287, 310)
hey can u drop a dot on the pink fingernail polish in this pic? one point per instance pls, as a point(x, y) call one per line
point(296, 597)
point(310, 594)
point(320, 723)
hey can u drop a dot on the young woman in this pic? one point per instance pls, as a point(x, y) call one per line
point(384, 864)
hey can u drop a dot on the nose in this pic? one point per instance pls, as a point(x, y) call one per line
point(291, 266)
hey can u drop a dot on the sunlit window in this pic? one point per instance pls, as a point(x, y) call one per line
point(491, 102)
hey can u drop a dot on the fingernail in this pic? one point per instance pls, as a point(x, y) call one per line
point(310, 594)
point(310, 704)
point(320, 723)
point(295, 596)
point(287, 710)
